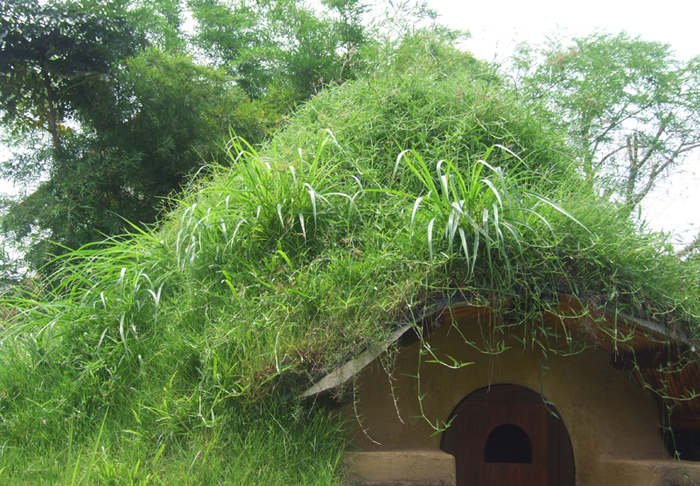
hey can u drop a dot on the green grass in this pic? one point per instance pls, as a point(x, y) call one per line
point(177, 355)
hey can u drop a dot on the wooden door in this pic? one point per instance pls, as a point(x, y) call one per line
point(506, 435)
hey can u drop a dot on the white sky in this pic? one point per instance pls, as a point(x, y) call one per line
point(498, 26)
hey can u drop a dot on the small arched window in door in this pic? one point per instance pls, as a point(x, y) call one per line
point(508, 443)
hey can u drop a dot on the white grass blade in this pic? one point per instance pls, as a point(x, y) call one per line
point(494, 190)
point(558, 208)
point(303, 226)
point(312, 195)
point(398, 161)
point(463, 237)
point(415, 210)
point(122, 334)
point(294, 176)
point(451, 228)
point(430, 237)
point(279, 214)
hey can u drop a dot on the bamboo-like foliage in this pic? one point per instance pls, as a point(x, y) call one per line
point(481, 210)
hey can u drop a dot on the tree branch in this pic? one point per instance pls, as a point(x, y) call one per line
point(693, 245)
point(53, 122)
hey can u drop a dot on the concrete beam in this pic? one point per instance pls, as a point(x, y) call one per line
point(401, 468)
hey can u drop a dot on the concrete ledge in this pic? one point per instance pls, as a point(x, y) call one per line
point(620, 472)
point(401, 468)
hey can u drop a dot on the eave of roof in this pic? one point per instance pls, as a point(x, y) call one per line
point(618, 333)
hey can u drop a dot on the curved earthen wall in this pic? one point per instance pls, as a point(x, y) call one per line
point(606, 412)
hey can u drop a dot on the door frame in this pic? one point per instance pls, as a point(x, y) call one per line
point(480, 412)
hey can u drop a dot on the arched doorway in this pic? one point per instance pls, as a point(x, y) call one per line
point(506, 435)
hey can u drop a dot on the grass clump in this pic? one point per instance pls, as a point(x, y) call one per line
point(179, 354)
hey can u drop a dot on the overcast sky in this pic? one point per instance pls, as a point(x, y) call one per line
point(498, 26)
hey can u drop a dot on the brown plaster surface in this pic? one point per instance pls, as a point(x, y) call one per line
point(606, 412)
point(402, 467)
point(619, 472)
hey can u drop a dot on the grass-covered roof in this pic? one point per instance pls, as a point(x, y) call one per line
point(180, 353)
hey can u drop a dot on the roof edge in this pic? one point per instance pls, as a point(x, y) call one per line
point(353, 367)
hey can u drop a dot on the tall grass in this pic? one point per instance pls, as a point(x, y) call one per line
point(177, 355)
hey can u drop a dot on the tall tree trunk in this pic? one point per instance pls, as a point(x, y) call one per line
point(53, 122)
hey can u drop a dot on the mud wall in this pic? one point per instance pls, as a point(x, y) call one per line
point(606, 412)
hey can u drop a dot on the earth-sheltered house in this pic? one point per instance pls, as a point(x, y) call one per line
point(443, 412)
point(416, 254)
point(557, 381)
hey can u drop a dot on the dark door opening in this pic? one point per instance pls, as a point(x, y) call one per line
point(508, 443)
point(505, 435)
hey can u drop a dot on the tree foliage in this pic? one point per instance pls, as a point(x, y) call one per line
point(104, 126)
point(629, 106)
point(109, 111)
point(283, 46)
point(159, 118)
point(53, 54)
point(162, 22)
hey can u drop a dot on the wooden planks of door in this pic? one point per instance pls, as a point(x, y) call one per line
point(511, 419)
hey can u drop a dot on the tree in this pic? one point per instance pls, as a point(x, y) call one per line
point(52, 54)
point(282, 46)
point(160, 118)
point(109, 127)
point(161, 21)
point(108, 114)
point(631, 109)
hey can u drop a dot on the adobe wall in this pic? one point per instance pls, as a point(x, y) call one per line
point(608, 416)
